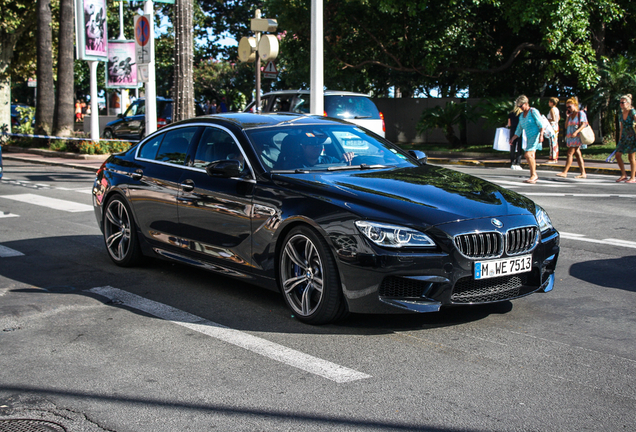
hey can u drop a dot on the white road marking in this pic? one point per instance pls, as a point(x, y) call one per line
point(7, 215)
point(82, 190)
point(606, 195)
point(541, 183)
point(609, 241)
point(274, 351)
point(6, 252)
point(54, 203)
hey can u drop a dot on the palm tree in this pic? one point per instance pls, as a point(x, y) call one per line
point(64, 108)
point(446, 118)
point(616, 79)
point(45, 105)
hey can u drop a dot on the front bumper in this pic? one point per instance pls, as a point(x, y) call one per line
point(382, 281)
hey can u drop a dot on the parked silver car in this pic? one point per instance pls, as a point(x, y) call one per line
point(357, 108)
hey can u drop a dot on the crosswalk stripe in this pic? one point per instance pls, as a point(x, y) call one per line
point(54, 203)
point(6, 252)
point(274, 351)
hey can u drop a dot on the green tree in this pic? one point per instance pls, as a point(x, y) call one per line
point(446, 118)
point(18, 18)
point(617, 77)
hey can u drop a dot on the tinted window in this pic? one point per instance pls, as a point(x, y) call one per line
point(134, 109)
point(351, 107)
point(281, 103)
point(149, 148)
point(174, 147)
point(214, 145)
point(301, 104)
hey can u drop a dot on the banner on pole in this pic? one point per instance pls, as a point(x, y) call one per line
point(122, 69)
point(90, 30)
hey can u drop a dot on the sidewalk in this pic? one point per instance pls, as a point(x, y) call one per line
point(93, 162)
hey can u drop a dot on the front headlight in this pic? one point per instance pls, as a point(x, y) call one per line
point(394, 236)
point(543, 219)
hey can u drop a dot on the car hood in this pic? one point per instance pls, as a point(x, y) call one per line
point(425, 195)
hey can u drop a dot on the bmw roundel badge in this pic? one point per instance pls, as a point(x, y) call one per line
point(496, 222)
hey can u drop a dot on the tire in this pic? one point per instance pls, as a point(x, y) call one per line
point(120, 233)
point(108, 134)
point(308, 277)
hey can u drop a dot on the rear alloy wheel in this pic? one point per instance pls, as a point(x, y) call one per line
point(309, 278)
point(120, 233)
point(108, 134)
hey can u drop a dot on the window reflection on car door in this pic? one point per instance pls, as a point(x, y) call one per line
point(214, 212)
point(161, 162)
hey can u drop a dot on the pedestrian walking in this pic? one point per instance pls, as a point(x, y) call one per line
point(530, 123)
point(515, 146)
point(575, 122)
point(553, 117)
point(627, 139)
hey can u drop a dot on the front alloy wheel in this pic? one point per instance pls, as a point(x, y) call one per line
point(308, 277)
point(120, 233)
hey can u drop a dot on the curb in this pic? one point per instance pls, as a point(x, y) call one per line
point(53, 153)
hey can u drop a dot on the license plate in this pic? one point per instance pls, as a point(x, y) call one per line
point(503, 267)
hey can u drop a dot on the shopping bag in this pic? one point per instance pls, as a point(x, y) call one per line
point(548, 130)
point(502, 140)
point(524, 140)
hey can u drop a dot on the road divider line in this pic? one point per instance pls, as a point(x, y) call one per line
point(54, 203)
point(608, 241)
point(6, 252)
point(274, 351)
point(7, 215)
point(579, 195)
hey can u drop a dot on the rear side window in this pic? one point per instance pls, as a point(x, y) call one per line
point(351, 107)
point(174, 147)
point(150, 147)
point(214, 145)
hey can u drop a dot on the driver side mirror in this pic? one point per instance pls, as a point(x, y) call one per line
point(224, 168)
point(420, 156)
point(120, 115)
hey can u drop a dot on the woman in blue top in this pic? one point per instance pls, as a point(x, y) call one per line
point(530, 123)
point(627, 139)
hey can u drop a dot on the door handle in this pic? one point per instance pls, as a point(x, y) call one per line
point(187, 186)
point(137, 175)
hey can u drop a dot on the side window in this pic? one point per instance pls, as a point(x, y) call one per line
point(174, 146)
point(301, 104)
point(149, 148)
point(214, 145)
point(281, 103)
point(132, 110)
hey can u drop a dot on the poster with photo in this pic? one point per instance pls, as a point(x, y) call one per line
point(121, 70)
point(91, 30)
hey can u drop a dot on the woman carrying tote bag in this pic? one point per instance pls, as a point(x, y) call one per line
point(575, 122)
point(529, 122)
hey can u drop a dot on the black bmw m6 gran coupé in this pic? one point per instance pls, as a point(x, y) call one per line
point(333, 216)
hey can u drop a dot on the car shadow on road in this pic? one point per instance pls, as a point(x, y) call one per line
point(619, 273)
point(72, 265)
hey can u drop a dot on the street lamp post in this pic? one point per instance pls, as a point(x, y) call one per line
point(260, 47)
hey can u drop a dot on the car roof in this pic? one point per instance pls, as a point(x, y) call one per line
point(246, 120)
point(326, 93)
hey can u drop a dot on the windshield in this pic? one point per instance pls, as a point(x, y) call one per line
point(332, 147)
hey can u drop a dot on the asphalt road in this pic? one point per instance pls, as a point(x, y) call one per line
point(94, 347)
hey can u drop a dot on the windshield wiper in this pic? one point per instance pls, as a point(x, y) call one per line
point(362, 117)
